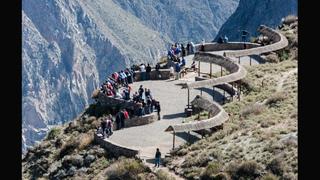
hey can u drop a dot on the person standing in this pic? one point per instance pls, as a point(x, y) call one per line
point(143, 72)
point(157, 70)
point(118, 120)
point(157, 158)
point(103, 126)
point(148, 71)
point(177, 69)
point(109, 126)
point(122, 118)
point(140, 91)
point(158, 108)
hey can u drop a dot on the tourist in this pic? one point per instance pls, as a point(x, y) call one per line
point(177, 70)
point(158, 71)
point(133, 73)
point(171, 72)
point(109, 126)
point(146, 93)
point(188, 48)
point(183, 50)
point(140, 90)
point(193, 65)
point(148, 71)
point(157, 158)
point(183, 62)
point(103, 126)
point(122, 124)
point(192, 48)
point(143, 72)
point(129, 76)
point(157, 106)
point(149, 108)
point(119, 116)
point(225, 39)
point(125, 114)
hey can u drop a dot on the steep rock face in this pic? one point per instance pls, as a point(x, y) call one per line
point(251, 14)
point(182, 20)
point(68, 48)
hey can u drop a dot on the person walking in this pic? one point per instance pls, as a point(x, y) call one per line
point(157, 158)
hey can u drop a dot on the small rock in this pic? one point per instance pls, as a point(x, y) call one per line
point(75, 160)
point(71, 171)
point(89, 159)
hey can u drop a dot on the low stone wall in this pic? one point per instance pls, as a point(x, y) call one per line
point(165, 74)
point(115, 149)
point(227, 46)
point(114, 102)
point(226, 86)
point(138, 121)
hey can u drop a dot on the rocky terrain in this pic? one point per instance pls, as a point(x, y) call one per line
point(249, 15)
point(68, 48)
point(182, 20)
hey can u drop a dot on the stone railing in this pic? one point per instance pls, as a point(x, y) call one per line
point(141, 120)
point(226, 46)
point(218, 117)
point(278, 40)
point(237, 72)
point(114, 148)
point(226, 86)
point(164, 73)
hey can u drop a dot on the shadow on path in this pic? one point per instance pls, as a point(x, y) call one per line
point(190, 138)
point(172, 116)
point(218, 96)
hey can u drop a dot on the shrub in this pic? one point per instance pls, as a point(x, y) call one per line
point(273, 99)
point(269, 177)
point(68, 148)
point(210, 171)
point(54, 132)
point(275, 166)
point(272, 58)
point(85, 140)
point(247, 170)
point(126, 169)
point(254, 108)
point(162, 175)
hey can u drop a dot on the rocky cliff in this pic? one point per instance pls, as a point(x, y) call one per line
point(250, 14)
point(182, 20)
point(68, 48)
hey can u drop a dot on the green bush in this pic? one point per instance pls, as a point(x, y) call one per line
point(54, 132)
point(211, 170)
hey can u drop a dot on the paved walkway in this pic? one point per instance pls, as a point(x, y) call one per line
point(173, 100)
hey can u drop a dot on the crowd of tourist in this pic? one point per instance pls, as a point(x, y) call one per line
point(118, 86)
point(176, 54)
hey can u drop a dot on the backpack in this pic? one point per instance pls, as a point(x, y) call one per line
point(126, 115)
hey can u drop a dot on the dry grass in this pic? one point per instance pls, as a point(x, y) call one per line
point(252, 109)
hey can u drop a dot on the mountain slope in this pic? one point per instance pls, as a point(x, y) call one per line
point(68, 48)
point(250, 14)
point(182, 20)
